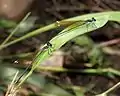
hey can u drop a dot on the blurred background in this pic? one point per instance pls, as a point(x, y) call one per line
point(81, 53)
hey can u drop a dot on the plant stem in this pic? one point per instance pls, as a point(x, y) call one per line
point(16, 28)
point(24, 79)
point(91, 71)
point(109, 90)
point(11, 86)
point(112, 88)
point(33, 33)
point(21, 55)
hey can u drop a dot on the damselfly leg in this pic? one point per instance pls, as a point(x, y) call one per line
point(50, 48)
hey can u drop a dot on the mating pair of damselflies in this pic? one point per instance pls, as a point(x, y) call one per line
point(71, 26)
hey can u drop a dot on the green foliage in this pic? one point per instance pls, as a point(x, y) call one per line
point(7, 23)
point(96, 56)
point(66, 35)
point(83, 40)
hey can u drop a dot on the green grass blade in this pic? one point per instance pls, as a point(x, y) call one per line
point(16, 28)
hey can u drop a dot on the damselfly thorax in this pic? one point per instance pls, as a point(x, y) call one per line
point(48, 46)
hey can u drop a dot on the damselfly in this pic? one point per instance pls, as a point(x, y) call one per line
point(75, 24)
point(48, 47)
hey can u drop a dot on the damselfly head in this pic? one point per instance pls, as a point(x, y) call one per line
point(93, 19)
point(49, 44)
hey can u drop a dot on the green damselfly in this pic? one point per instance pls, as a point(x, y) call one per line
point(48, 47)
point(71, 25)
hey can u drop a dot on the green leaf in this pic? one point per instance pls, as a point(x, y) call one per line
point(64, 37)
